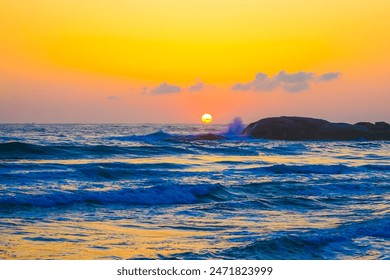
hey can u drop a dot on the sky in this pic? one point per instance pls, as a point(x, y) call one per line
point(153, 61)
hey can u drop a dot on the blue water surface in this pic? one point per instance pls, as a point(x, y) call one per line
point(158, 192)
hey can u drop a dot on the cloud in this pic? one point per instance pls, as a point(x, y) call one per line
point(295, 87)
point(197, 87)
point(294, 82)
point(240, 86)
point(263, 83)
point(329, 76)
point(165, 88)
point(299, 77)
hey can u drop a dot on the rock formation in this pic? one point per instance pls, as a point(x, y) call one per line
point(301, 128)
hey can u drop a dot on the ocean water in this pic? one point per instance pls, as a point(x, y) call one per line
point(156, 192)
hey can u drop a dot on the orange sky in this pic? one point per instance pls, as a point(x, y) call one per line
point(150, 61)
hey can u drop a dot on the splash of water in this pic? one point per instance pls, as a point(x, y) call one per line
point(236, 127)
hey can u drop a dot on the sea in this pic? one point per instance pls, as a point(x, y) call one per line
point(158, 191)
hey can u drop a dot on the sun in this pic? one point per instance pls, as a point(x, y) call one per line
point(207, 118)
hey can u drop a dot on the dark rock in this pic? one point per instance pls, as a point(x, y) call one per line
point(301, 128)
point(344, 131)
point(366, 124)
point(382, 129)
point(382, 125)
point(207, 136)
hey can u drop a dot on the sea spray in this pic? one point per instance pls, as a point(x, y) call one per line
point(236, 127)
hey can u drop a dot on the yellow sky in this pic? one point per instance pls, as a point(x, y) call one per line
point(124, 46)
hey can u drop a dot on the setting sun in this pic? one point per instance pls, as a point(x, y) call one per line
point(207, 118)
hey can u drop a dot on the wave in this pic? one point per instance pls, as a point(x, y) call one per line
point(158, 195)
point(155, 136)
point(27, 173)
point(161, 136)
point(234, 130)
point(354, 240)
point(18, 149)
point(318, 169)
point(315, 244)
point(21, 150)
point(16, 172)
point(118, 170)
